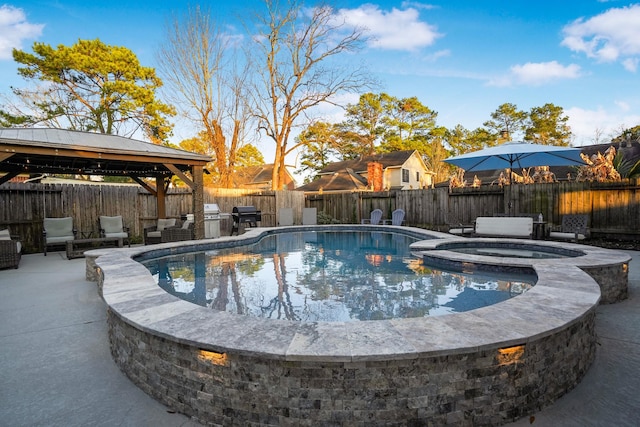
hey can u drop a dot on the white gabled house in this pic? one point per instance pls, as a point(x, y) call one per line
point(399, 170)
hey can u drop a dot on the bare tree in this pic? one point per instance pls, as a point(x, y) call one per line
point(207, 82)
point(598, 134)
point(297, 69)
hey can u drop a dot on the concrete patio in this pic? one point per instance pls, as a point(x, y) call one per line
point(57, 369)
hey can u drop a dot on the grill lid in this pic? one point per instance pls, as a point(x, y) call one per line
point(211, 208)
point(244, 210)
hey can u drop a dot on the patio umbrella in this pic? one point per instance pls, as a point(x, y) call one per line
point(518, 154)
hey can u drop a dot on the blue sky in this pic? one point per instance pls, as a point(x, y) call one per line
point(460, 58)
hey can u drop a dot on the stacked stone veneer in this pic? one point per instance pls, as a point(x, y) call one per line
point(613, 281)
point(470, 388)
point(485, 367)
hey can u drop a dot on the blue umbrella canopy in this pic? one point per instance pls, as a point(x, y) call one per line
point(517, 155)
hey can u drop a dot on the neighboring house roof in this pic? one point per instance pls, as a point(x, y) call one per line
point(344, 180)
point(253, 174)
point(359, 165)
point(257, 175)
point(350, 175)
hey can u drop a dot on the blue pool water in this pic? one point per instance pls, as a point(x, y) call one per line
point(328, 276)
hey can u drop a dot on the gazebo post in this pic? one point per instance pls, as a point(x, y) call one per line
point(198, 201)
point(161, 206)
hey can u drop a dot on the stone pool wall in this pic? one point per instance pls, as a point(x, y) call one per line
point(472, 388)
point(484, 367)
point(613, 281)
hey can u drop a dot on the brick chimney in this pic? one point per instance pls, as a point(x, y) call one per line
point(374, 176)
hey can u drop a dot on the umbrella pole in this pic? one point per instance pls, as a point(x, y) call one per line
point(509, 203)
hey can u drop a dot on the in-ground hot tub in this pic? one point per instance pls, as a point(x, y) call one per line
point(608, 268)
point(482, 367)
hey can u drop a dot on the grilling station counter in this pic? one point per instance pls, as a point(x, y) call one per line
point(241, 215)
point(212, 217)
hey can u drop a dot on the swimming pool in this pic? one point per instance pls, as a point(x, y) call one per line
point(486, 366)
point(329, 276)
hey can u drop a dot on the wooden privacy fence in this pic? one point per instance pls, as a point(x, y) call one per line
point(613, 208)
point(23, 207)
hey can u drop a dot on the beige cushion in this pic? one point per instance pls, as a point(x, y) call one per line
point(186, 224)
point(461, 230)
point(513, 226)
point(4, 235)
point(165, 223)
point(58, 229)
point(567, 236)
point(111, 225)
point(154, 234)
point(121, 234)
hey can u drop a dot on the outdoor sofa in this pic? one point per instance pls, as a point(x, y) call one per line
point(512, 226)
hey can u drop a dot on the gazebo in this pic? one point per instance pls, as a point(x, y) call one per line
point(61, 151)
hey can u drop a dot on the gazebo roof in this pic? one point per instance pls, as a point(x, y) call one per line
point(61, 151)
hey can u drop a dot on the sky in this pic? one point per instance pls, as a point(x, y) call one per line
point(462, 59)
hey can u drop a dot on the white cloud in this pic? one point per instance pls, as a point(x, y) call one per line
point(622, 105)
point(394, 30)
point(433, 57)
point(417, 5)
point(536, 74)
point(630, 64)
point(14, 28)
point(586, 123)
point(611, 36)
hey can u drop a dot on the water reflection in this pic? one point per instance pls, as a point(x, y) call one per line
point(327, 276)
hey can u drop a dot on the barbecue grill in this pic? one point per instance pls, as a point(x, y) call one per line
point(211, 220)
point(245, 215)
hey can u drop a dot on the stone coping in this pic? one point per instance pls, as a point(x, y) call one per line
point(590, 256)
point(563, 294)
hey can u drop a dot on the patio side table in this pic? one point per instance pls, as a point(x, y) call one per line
point(539, 230)
point(76, 248)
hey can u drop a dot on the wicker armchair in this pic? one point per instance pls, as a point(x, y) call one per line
point(10, 250)
point(177, 234)
point(153, 234)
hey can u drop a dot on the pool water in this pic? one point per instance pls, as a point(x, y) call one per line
point(330, 276)
point(509, 252)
